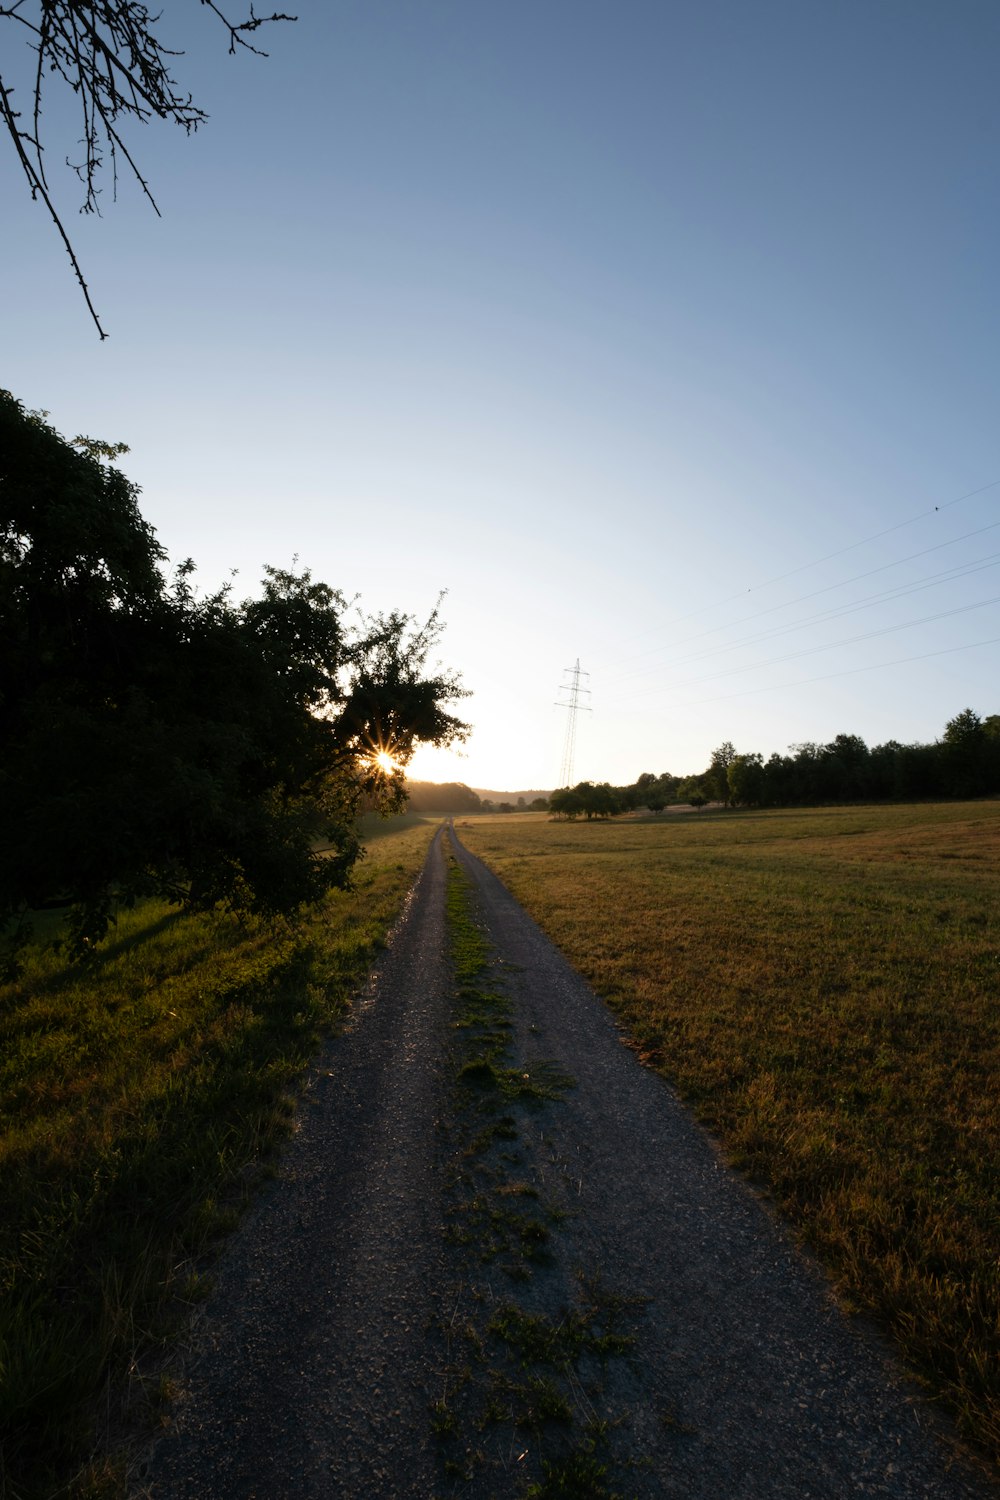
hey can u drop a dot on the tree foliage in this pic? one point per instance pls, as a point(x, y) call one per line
point(109, 56)
point(152, 740)
point(594, 801)
point(717, 776)
point(965, 762)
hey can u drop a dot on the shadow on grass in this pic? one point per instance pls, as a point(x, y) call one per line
point(95, 962)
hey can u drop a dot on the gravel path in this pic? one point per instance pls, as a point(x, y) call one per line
point(332, 1328)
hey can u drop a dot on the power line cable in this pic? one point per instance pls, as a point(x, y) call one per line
point(829, 646)
point(901, 661)
point(804, 567)
point(804, 598)
point(901, 591)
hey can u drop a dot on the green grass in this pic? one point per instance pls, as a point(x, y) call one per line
point(138, 1100)
point(514, 1376)
point(823, 987)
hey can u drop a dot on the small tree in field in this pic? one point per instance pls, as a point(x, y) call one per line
point(566, 803)
point(694, 792)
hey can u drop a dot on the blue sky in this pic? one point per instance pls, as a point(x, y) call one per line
point(633, 326)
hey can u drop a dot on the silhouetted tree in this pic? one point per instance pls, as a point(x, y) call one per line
point(965, 753)
point(152, 741)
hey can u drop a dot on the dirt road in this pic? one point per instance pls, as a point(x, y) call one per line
point(549, 1278)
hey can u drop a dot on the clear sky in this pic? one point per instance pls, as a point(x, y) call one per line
point(664, 336)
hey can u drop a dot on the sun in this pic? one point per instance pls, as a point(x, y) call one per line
point(384, 761)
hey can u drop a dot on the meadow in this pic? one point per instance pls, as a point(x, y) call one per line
point(823, 987)
point(140, 1100)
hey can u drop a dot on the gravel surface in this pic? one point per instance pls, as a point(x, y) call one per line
point(331, 1332)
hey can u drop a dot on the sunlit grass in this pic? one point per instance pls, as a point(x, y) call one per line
point(133, 1098)
point(824, 987)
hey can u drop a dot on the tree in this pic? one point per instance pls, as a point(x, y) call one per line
point(717, 775)
point(597, 801)
point(695, 791)
point(846, 769)
point(154, 741)
point(652, 792)
point(106, 54)
point(566, 803)
point(746, 780)
point(967, 753)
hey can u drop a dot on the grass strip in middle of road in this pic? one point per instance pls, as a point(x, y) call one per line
point(526, 1340)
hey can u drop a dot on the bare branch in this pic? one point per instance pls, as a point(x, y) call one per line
point(106, 53)
point(253, 22)
point(38, 190)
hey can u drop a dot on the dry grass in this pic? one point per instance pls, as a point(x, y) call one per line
point(824, 987)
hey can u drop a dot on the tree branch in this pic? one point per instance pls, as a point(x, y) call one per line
point(106, 53)
point(38, 190)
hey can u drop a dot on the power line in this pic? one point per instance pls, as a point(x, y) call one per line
point(802, 599)
point(902, 591)
point(832, 645)
point(868, 635)
point(804, 567)
point(901, 661)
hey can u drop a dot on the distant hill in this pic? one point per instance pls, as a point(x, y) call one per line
point(441, 797)
point(456, 797)
point(510, 796)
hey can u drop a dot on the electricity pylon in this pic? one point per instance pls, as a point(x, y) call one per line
point(574, 706)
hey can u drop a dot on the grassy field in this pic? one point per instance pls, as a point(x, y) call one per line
point(137, 1103)
point(824, 988)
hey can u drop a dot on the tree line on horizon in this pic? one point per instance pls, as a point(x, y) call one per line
point(965, 762)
